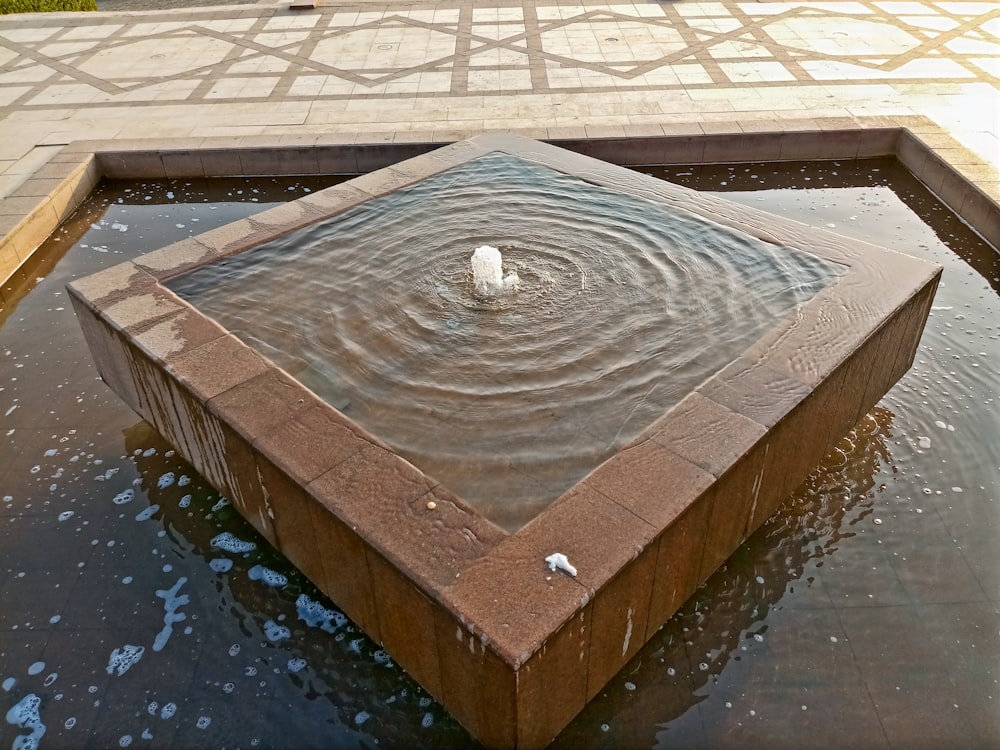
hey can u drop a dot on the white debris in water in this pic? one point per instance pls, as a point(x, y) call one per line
point(924, 442)
point(125, 496)
point(759, 579)
point(125, 740)
point(124, 658)
point(25, 714)
point(184, 501)
point(119, 226)
point(361, 717)
point(145, 515)
point(316, 615)
point(168, 710)
point(7, 684)
point(66, 515)
point(183, 480)
point(165, 480)
point(296, 664)
point(559, 560)
point(221, 564)
point(203, 722)
point(268, 576)
point(223, 502)
point(275, 632)
point(36, 668)
point(171, 603)
point(226, 541)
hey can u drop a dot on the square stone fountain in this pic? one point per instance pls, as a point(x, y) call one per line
point(511, 578)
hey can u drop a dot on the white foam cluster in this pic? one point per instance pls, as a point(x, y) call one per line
point(147, 513)
point(221, 564)
point(223, 503)
point(25, 714)
point(315, 615)
point(275, 632)
point(165, 480)
point(172, 601)
point(296, 664)
point(124, 658)
point(226, 541)
point(268, 576)
point(125, 496)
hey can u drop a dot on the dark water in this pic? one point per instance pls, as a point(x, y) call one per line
point(866, 613)
point(512, 400)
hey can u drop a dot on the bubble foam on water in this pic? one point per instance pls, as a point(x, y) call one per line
point(315, 615)
point(221, 564)
point(275, 632)
point(296, 664)
point(8, 683)
point(226, 541)
point(172, 601)
point(268, 576)
point(165, 480)
point(168, 710)
point(36, 668)
point(124, 658)
point(125, 496)
point(25, 714)
point(145, 515)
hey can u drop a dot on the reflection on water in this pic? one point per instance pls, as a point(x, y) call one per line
point(864, 614)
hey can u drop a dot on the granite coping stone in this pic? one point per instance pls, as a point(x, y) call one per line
point(643, 529)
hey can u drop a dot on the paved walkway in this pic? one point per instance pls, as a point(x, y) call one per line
point(452, 68)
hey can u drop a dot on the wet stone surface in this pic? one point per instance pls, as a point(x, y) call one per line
point(137, 609)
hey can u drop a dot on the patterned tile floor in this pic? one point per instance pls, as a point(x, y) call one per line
point(449, 69)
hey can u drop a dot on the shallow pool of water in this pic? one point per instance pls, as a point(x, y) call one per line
point(624, 306)
point(866, 613)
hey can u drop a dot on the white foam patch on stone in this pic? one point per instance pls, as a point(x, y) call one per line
point(226, 541)
point(557, 560)
point(124, 658)
point(25, 714)
point(267, 576)
point(145, 515)
point(172, 601)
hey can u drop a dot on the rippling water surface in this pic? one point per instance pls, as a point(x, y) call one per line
point(864, 614)
point(623, 308)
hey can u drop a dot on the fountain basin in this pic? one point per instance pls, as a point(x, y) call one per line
point(512, 648)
